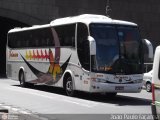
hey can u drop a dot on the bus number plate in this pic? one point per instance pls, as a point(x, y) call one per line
point(119, 88)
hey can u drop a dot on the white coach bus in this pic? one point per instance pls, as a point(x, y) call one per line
point(91, 53)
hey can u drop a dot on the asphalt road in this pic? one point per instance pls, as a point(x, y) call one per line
point(52, 103)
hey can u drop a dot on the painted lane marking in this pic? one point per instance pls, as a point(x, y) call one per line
point(76, 101)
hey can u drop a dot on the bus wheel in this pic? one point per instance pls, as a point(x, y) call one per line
point(22, 79)
point(111, 95)
point(148, 87)
point(69, 87)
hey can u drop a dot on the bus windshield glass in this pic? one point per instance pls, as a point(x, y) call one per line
point(117, 49)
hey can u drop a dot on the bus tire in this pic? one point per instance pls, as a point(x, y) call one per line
point(69, 87)
point(148, 87)
point(22, 79)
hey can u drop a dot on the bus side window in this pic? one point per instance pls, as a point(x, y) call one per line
point(49, 38)
point(83, 46)
point(66, 34)
point(12, 40)
point(40, 38)
point(22, 39)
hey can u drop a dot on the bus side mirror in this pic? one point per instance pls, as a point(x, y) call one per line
point(150, 48)
point(92, 44)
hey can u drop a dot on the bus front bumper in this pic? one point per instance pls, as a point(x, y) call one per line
point(119, 88)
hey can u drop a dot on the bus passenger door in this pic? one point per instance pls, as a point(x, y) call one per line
point(83, 54)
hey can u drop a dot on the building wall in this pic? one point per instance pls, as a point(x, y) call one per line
point(43, 11)
point(146, 13)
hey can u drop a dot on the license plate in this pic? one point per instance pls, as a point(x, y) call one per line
point(119, 88)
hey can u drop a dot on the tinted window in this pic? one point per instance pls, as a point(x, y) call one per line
point(43, 37)
point(118, 48)
point(66, 34)
point(33, 38)
point(83, 46)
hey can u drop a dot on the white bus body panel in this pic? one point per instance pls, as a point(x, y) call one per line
point(156, 79)
point(83, 80)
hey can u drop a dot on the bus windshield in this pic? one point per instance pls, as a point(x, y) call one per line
point(117, 49)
